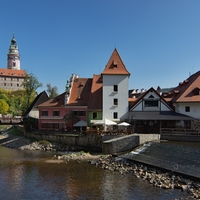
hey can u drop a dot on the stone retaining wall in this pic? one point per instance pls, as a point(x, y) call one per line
point(127, 143)
point(183, 138)
point(89, 142)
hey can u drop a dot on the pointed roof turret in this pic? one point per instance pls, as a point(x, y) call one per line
point(13, 40)
point(13, 45)
point(115, 65)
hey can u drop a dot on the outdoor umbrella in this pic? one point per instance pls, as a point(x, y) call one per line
point(124, 124)
point(80, 123)
point(105, 122)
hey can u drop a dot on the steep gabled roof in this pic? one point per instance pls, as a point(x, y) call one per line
point(42, 97)
point(95, 102)
point(115, 65)
point(133, 102)
point(186, 91)
point(58, 101)
point(80, 92)
point(79, 95)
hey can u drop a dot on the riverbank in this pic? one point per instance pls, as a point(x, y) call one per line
point(155, 177)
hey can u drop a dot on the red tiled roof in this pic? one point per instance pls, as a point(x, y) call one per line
point(186, 91)
point(115, 65)
point(56, 102)
point(12, 72)
point(79, 95)
point(95, 102)
point(80, 92)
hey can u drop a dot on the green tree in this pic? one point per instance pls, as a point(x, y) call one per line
point(30, 84)
point(52, 91)
point(70, 118)
point(3, 106)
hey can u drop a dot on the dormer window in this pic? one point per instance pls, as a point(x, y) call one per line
point(114, 64)
point(196, 91)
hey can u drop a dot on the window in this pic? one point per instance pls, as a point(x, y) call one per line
point(56, 113)
point(44, 113)
point(151, 103)
point(115, 102)
point(75, 112)
point(56, 125)
point(115, 115)
point(187, 108)
point(115, 88)
point(44, 125)
point(14, 64)
point(94, 115)
point(4, 84)
point(81, 113)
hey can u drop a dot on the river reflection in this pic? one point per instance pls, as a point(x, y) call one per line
point(27, 175)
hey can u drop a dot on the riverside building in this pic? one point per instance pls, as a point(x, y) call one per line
point(12, 77)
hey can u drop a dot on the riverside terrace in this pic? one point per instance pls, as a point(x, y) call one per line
point(11, 120)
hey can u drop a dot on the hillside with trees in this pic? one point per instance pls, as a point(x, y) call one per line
point(15, 103)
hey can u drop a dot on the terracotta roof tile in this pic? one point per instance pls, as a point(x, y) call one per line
point(80, 92)
point(79, 95)
point(12, 72)
point(95, 102)
point(186, 91)
point(115, 65)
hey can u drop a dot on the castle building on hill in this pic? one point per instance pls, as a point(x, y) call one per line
point(12, 77)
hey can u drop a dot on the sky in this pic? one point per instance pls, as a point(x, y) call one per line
point(158, 41)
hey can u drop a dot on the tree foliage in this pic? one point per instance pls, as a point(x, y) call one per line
point(30, 84)
point(18, 101)
point(70, 118)
point(52, 91)
point(3, 106)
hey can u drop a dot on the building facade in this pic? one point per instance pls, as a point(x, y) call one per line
point(115, 89)
point(12, 77)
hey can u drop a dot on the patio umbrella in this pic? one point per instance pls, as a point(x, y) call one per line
point(80, 123)
point(105, 122)
point(124, 124)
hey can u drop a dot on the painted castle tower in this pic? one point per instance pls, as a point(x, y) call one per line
point(13, 61)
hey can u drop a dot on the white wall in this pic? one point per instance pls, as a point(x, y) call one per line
point(194, 109)
point(122, 95)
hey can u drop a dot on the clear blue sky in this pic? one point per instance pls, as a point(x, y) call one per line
point(158, 40)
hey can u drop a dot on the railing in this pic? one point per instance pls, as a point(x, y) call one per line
point(9, 120)
point(179, 131)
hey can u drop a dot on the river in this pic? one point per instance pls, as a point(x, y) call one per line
point(26, 175)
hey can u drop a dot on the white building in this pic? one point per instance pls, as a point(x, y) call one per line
point(115, 79)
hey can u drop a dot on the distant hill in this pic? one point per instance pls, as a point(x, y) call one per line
point(165, 90)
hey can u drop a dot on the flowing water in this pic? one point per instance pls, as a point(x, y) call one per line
point(27, 175)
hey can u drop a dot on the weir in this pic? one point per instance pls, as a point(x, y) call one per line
point(170, 156)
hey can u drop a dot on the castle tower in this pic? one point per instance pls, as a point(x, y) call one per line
point(13, 60)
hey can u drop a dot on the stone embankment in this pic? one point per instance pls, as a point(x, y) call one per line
point(156, 177)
